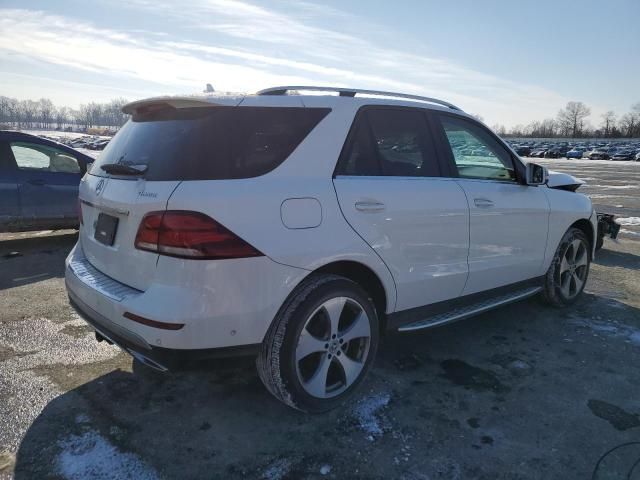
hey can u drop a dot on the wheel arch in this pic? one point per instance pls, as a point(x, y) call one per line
point(586, 227)
point(366, 278)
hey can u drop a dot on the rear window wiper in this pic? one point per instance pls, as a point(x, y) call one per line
point(123, 169)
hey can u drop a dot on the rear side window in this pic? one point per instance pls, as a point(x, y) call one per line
point(390, 142)
point(209, 143)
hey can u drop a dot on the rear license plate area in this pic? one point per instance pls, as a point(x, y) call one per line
point(106, 228)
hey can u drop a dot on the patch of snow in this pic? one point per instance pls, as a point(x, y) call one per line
point(90, 455)
point(635, 338)
point(82, 418)
point(621, 187)
point(630, 232)
point(367, 413)
point(325, 470)
point(601, 196)
point(277, 470)
point(628, 221)
point(612, 328)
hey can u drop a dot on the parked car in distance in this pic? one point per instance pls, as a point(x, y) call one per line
point(39, 182)
point(637, 157)
point(622, 155)
point(575, 153)
point(553, 153)
point(538, 153)
point(597, 154)
point(523, 151)
point(222, 225)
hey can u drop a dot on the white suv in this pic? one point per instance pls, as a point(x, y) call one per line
point(301, 227)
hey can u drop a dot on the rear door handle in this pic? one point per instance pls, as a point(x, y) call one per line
point(369, 206)
point(482, 202)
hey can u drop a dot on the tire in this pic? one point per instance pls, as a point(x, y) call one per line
point(565, 280)
point(341, 353)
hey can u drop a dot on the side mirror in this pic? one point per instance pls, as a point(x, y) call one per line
point(536, 174)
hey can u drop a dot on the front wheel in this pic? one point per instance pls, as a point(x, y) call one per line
point(321, 344)
point(569, 270)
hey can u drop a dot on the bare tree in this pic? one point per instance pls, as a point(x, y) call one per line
point(46, 111)
point(608, 122)
point(629, 124)
point(499, 129)
point(571, 119)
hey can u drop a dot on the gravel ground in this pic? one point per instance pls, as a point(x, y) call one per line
point(524, 392)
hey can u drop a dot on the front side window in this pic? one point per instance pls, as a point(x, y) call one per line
point(43, 158)
point(392, 143)
point(476, 153)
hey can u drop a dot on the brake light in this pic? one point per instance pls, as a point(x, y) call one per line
point(186, 234)
point(79, 207)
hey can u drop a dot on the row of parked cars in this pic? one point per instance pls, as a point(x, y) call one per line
point(90, 142)
point(616, 150)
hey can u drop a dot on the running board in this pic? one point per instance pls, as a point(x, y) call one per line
point(470, 310)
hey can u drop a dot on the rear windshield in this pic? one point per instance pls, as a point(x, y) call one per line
point(209, 143)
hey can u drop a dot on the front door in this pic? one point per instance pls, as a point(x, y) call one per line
point(508, 220)
point(391, 192)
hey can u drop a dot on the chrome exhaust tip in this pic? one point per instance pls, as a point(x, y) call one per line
point(147, 361)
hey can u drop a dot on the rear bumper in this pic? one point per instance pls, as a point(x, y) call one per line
point(223, 305)
point(162, 359)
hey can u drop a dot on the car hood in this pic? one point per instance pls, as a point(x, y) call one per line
point(563, 181)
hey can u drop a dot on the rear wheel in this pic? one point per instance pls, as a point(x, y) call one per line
point(568, 273)
point(321, 344)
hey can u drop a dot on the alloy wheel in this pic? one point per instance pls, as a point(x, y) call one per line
point(333, 347)
point(573, 269)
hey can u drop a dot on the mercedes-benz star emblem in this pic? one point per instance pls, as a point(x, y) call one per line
point(99, 186)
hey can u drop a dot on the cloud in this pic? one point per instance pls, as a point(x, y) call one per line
point(239, 46)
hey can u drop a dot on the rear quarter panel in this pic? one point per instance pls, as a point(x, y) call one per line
point(251, 208)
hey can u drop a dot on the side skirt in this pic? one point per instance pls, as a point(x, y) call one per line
point(460, 308)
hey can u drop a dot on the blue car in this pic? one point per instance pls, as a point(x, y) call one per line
point(39, 182)
point(575, 153)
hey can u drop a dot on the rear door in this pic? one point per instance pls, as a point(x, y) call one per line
point(9, 200)
point(509, 220)
point(392, 193)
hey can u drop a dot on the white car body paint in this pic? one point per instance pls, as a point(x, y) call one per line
point(508, 233)
point(559, 179)
point(428, 243)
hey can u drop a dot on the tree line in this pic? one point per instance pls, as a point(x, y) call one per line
point(44, 114)
point(572, 122)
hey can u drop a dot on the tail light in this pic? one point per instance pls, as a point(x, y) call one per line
point(79, 207)
point(186, 234)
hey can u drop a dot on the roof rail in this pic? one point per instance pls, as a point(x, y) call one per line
point(351, 92)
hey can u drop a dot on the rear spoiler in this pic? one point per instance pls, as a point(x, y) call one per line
point(183, 102)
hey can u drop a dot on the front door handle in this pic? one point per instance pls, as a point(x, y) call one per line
point(482, 202)
point(369, 206)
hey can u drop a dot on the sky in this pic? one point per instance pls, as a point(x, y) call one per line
point(508, 61)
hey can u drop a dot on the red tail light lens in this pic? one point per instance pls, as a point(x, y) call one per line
point(193, 235)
